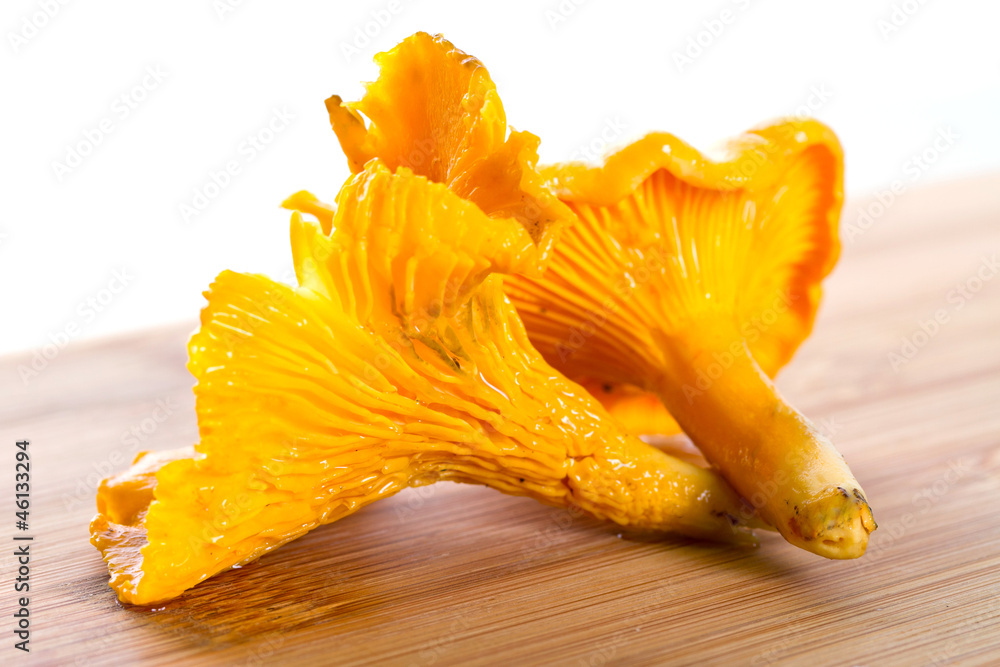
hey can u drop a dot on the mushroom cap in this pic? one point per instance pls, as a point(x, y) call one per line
point(416, 249)
point(748, 232)
point(435, 111)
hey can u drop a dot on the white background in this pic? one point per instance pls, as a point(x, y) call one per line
point(887, 80)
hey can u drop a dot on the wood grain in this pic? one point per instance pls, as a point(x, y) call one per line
point(464, 575)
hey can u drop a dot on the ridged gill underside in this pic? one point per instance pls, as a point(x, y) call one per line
point(314, 401)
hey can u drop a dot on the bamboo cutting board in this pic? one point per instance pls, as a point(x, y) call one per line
point(460, 575)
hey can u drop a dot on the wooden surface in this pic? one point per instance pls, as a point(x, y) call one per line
point(450, 574)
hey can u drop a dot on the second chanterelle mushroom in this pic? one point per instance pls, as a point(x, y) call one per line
point(696, 279)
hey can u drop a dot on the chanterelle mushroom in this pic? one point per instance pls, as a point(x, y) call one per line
point(397, 361)
point(435, 110)
point(697, 279)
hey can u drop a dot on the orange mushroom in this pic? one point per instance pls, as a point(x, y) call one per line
point(397, 361)
point(435, 110)
point(696, 279)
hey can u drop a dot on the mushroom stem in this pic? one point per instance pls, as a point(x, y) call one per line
point(629, 483)
point(775, 457)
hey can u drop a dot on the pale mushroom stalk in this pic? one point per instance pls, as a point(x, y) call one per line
point(776, 457)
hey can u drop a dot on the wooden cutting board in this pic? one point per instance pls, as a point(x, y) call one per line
point(461, 575)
